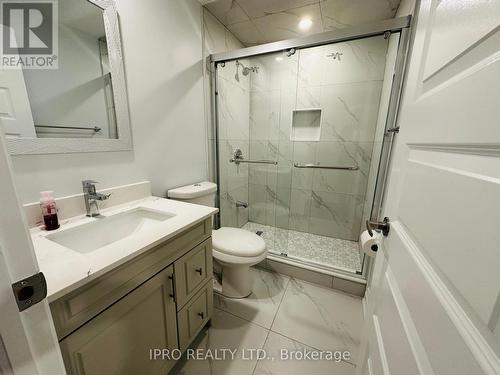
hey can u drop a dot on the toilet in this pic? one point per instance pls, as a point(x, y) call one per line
point(235, 250)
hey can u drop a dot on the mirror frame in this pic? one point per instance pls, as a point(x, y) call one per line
point(33, 146)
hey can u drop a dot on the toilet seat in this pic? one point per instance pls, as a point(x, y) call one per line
point(238, 242)
point(238, 246)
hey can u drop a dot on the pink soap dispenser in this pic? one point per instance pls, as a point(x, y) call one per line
point(49, 210)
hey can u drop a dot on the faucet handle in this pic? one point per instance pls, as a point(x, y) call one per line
point(88, 182)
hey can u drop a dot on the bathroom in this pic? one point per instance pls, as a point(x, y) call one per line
point(250, 187)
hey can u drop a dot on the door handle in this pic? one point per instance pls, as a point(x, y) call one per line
point(199, 270)
point(172, 295)
point(201, 315)
point(384, 226)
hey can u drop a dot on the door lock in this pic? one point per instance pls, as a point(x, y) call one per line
point(30, 291)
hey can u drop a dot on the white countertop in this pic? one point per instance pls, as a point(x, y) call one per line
point(66, 270)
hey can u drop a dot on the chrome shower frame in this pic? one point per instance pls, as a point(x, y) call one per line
point(400, 25)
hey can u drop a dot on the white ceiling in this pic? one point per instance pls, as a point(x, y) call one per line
point(262, 21)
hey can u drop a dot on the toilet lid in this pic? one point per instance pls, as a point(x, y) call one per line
point(238, 242)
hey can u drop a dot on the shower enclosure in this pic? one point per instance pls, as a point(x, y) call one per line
point(302, 136)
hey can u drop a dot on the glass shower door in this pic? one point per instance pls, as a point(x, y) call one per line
point(309, 126)
point(332, 135)
point(272, 96)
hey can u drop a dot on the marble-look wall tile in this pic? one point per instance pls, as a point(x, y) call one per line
point(264, 115)
point(300, 210)
point(350, 111)
point(346, 62)
point(308, 97)
point(234, 111)
point(303, 153)
point(277, 71)
point(336, 215)
point(344, 80)
point(232, 216)
point(345, 154)
point(232, 175)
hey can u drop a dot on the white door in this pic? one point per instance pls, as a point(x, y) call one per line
point(433, 306)
point(28, 342)
point(15, 110)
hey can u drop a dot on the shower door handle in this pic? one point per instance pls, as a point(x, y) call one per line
point(318, 166)
point(384, 226)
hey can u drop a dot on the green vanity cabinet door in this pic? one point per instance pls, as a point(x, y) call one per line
point(192, 272)
point(118, 341)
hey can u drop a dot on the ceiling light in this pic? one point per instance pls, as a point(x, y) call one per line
point(305, 24)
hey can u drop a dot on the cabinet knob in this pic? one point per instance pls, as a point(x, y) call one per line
point(199, 270)
point(201, 315)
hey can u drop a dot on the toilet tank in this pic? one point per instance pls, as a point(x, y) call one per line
point(200, 193)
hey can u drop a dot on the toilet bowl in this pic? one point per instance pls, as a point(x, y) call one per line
point(234, 249)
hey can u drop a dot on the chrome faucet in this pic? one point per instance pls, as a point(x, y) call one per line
point(92, 198)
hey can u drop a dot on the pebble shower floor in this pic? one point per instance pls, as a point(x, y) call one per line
point(325, 251)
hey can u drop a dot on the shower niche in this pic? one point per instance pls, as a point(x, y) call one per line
point(306, 125)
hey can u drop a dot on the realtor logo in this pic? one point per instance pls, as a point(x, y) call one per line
point(29, 34)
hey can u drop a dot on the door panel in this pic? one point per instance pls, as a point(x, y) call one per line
point(443, 200)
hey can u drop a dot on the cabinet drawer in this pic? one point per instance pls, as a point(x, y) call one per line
point(195, 315)
point(118, 341)
point(74, 309)
point(192, 271)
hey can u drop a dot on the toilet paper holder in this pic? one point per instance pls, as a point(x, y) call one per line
point(384, 226)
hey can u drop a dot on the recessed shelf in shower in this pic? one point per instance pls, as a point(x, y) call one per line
point(306, 125)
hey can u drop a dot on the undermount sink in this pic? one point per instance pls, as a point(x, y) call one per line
point(108, 229)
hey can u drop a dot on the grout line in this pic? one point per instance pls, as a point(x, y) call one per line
point(275, 314)
point(281, 300)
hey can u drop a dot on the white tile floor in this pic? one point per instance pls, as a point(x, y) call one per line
point(328, 251)
point(281, 313)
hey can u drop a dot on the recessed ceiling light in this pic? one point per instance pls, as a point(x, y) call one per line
point(305, 23)
point(279, 58)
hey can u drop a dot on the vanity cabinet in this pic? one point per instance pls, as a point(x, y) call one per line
point(117, 341)
point(160, 299)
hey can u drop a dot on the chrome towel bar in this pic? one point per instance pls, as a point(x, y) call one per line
point(318, 166)
point(238, 161)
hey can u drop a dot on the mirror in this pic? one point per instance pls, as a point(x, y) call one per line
point(80, 106)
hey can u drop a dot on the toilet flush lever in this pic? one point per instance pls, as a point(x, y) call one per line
point(384, 226)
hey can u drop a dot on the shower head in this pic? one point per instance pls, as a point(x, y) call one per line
point(246, 70)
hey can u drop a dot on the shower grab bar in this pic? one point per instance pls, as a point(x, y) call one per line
point(238, 161)
point(317, 166)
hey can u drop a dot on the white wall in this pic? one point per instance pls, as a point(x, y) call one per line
point(72, 95)
point(163, 61)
